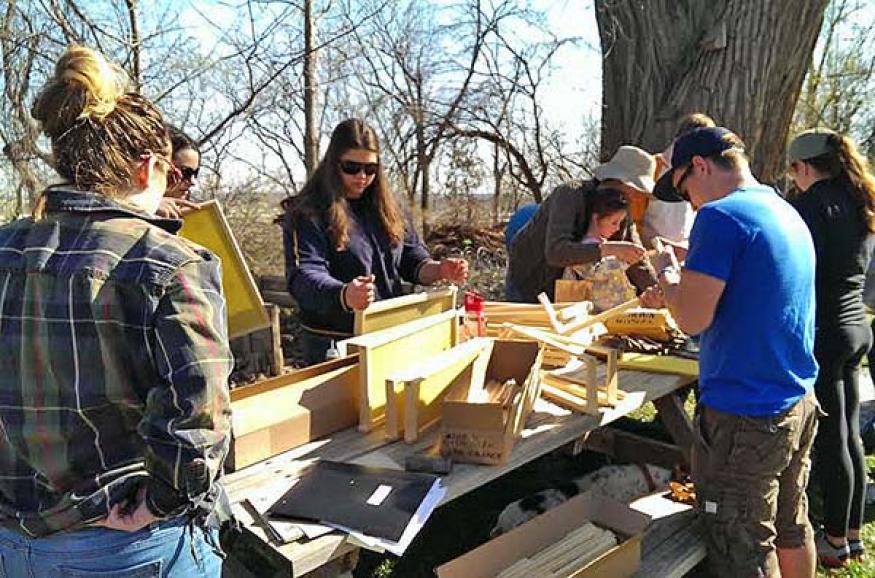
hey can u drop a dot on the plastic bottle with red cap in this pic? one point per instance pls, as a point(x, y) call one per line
point(475, 316)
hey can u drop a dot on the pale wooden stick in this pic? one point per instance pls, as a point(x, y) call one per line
point(603, 316)
point(545, 337)
point(551, 312)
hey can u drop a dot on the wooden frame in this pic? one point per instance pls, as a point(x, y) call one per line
point(583, 393)
point(392, 312)
point(208, 227)
point(413, 398)
point(388, 351)
point(276, 415)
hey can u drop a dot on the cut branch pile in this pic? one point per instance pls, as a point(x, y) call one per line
point(446, 240)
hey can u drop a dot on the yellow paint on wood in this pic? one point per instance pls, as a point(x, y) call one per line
point(393, 312)
point(208, 227)
point(383, 353)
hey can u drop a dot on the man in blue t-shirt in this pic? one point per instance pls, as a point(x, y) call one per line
point(747, 288)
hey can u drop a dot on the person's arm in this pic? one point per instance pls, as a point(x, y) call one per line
point(693, 293)
point(691, 297)
point(560, 247)
point(640, 273)
point(173, 208)
point(186, 425)
point(307, 267)
point(417, 266)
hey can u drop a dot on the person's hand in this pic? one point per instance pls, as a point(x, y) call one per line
point(623, 250)
point(680, 249)
point(172, 208)
point(665, 259)
point(653, 297)
point(129, 517)
point(359, 292)
point(454, 270)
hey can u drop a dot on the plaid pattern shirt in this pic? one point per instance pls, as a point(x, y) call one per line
point(114, 366)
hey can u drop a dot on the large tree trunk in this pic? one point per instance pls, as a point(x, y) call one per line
point(740, 61)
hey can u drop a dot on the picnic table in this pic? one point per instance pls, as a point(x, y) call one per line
point(549, 427)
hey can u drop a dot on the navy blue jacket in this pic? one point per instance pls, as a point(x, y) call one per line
point(316, 270)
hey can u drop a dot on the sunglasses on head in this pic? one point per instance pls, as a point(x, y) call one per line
point(353, 168)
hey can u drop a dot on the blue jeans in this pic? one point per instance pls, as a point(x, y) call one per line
point(165, 549)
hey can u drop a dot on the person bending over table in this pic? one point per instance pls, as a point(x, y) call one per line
point(348, 243)
point(552, 239)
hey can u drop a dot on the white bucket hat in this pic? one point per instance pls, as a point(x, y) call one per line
point(630, 165)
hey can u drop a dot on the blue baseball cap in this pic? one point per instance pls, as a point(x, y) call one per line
point(699, 142)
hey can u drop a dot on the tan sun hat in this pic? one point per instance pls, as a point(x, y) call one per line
point(809, 144)
point(630, 165)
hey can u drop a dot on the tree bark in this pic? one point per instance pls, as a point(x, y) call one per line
point(311, 137)
point(136, 57)
point(740, 61)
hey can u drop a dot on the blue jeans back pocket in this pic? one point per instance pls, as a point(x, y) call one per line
point(147, 570)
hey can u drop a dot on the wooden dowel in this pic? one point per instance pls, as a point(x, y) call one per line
point(603, 316)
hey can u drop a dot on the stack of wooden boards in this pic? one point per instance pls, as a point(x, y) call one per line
point(500, 314)
point(584, 384)
point(571, 553)
point(553, 539)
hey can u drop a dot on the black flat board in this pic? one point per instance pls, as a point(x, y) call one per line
point(337, 493)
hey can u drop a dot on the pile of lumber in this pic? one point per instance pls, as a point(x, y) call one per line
point(501, 315)
point(565, 557)
point(586, 386)
point(568, 331)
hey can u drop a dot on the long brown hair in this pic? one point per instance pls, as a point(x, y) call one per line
point(98, 131)
point(323, 195)
point(844, 163)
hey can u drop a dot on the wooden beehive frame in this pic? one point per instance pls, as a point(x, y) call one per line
point(413, 397)
point(397, 348)
point(583, 393)
point(393, 312)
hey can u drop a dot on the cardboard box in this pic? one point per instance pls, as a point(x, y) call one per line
point(622, 561)
point(278, 414)
point(485, 433)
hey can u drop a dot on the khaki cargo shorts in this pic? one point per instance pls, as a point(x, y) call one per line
point(751, 475)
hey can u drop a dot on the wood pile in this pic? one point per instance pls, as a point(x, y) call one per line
point(499, 315)
point(575, 551)
point(444, 240)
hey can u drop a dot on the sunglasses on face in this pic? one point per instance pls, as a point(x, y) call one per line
point(353, 168)
point(679, 187)
point(188, 174)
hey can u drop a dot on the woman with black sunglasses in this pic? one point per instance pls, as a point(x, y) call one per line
point(187, 159)
point(348, 243)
